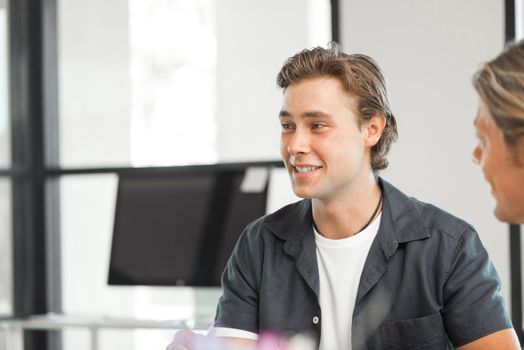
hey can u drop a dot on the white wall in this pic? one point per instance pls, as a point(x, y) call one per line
point(429, 51)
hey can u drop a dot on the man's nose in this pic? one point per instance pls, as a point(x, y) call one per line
point(299, 142)
point(475, 156)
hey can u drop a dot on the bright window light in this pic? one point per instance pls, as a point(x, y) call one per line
point(173, 59)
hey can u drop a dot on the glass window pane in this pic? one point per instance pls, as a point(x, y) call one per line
point(5, 129)
point(155, 82)
point(6, 266)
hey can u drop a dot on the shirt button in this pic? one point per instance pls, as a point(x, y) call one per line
point(315, 320)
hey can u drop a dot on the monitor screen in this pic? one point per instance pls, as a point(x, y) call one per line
point(180, 227)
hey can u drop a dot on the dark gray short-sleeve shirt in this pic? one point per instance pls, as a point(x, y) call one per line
point(427, 282)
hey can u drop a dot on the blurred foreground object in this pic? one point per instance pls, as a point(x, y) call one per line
point(188, 340)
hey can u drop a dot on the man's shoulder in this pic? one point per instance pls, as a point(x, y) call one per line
point(408, 211)
point(438, 219)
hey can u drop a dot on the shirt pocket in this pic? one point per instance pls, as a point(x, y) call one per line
point(423, 333)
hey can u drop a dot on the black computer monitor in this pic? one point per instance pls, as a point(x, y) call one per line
point(179, 227)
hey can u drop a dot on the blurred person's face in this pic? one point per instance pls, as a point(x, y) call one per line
point(502, 165)
point(325, 151)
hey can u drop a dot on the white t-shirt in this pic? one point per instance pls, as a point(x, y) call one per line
point(340, 264)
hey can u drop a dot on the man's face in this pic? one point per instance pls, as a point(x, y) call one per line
point(501, 169)
point(322, 145)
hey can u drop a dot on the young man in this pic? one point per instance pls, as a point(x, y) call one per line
point(357, 264)
point(500, 130)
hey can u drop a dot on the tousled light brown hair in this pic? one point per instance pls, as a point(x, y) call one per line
point(500, 85)
point(360, 76)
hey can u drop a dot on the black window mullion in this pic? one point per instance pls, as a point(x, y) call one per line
point(27, 143)
point(335, 21)
point(29, 97)
point(516, 279)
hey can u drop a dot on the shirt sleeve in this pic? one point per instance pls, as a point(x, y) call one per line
point(473, 306)
point(231, 333)
point(238, 306)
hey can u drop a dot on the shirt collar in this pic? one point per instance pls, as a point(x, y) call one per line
point(401, 221)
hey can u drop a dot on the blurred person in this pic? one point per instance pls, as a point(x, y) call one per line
point(500, 129)
point(356, 264)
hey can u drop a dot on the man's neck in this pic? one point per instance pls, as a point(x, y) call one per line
point(347, 214)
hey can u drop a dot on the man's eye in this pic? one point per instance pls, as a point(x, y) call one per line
point(317, 126)
point(286, 126)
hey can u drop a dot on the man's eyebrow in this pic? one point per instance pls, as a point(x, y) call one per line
point(317, 114)
point(284, 113)
point(310, 114)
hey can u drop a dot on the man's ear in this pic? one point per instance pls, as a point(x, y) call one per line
point(373, 130)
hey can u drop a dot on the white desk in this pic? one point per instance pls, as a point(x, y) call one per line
point(14, 329)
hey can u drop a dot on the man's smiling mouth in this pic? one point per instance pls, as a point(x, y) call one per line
point(306, 169)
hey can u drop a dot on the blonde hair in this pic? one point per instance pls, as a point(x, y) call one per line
point(360, 76)
point(500, 85)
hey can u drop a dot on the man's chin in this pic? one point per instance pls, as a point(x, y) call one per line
point(303, 196)
point(302, 193)
point(508, 216)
